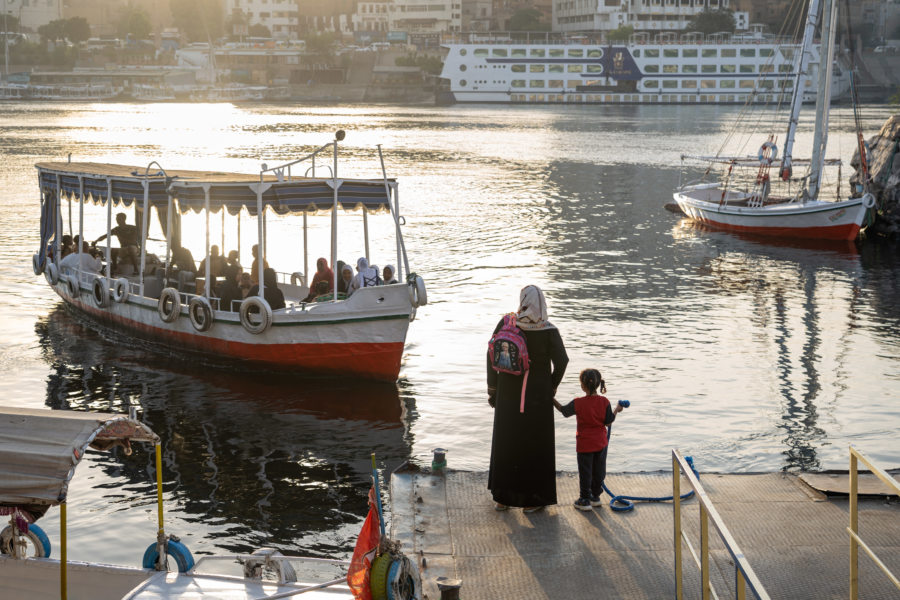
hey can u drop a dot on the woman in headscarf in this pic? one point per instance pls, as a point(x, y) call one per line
point(390, 275)
point(523, 449)
point(345, 279)
point(366, 276)
point(323, 273)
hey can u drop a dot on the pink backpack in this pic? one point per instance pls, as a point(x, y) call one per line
point(509, 352)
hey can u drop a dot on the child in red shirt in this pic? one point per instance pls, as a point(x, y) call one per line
point(593, 414)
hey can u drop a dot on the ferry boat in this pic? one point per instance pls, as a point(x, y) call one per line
point(172, 304)
point(716, 69)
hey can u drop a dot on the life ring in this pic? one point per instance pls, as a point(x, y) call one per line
point(255, 567)
point(36, 264)
point(298, 276)
point(868, 200)
point(421, 294)
point(34, 534)
point(100, 291)
point(772, 150)
point(169, 306)
point(120, 289)
point(262, 309)
point(72, 285)
point(51, 273)
point(403, 581)
point(378, 576)
point(175, 550)
point(200, 313)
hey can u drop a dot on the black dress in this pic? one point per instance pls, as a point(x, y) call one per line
point(523, 448)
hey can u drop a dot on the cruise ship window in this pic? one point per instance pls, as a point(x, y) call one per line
point(710, 53)
point(654, 53)
point(556, 52)
point(501, 52)
point(573, 83)
point(787, 53)
point(689, 53)
point(748, 52)
point(688, 68)
point(747, 83)
point(651, 83)
point(518, 52)
point(767, 84)
point(729, 53)
point(576, 53)
point(574, 69)
point(785, 68)
point(462, 83)
point(766, 52)
point(670, 53)
point(462, 67)
point(708, 68)
point(480, 52)
point(766, 68)
point(670, 68)
point(786, 84)
point(635, 53)
point(462, 52)
point(748, 68)
point(536, 68)
point(708, 83)
point(536, 83)
point(651, 69)
point(555, 83)
point(727, 84)
point(597, 53)
point(537, 52)
point(595, 68)
point(518, 68)
point(670, 83)
point(518, 83)
point(728, 68)
point(688, 83)
point(555, 68)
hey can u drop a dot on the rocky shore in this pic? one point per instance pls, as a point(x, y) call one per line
point(884, 177)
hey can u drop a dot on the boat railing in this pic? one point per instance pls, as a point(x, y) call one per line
point(270, 559)
point(855, 541)
point(744, 575)
point(283, 171)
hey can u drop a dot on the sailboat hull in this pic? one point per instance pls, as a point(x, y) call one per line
point(811, 220)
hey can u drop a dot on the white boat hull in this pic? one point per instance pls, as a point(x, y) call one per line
point(840, 220)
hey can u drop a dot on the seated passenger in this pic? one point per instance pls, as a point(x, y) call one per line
point(183, 260)
point(84, 262)
point(245, 285)
point(67, 246)
point(216, 264)
point(366, 276)
point(233, 260)
point(323, 273)
point(345, 280)
point(271, 293)
point(323, 292)
point(389, 275)
point(230, 290)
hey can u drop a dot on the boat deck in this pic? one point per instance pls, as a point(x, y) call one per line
point(793, 535)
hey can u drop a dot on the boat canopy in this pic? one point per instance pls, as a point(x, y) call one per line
point(233, 191)
point(39, 450)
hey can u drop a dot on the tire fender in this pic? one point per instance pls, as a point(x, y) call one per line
point(120, 289)
point(100, 291)
point(36, 264)
point(403, 580)
point(174, 550)
point(169, 305)
point(421, 294)
point(254, 567)
point(200, 312)
point(298, 276)
point(51, 273)
point(72, 285)
point(35, 534)
point(413, 299)
point(378, 576)
point(263, 310)
point(868, 200)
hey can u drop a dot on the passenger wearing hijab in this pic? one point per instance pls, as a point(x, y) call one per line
point(272, 294)
point(345, 279)
point(365, 277)
point(523, 451)
point(388, 275)
point(323, 273)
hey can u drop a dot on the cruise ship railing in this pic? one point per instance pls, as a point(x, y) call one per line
point(855, 541)
point(743, 572)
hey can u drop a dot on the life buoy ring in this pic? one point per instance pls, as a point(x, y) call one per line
point(200, 312)
point(868, 200)
point(51, 274)
point(100, 291)
point(72, 285)
point(298, 276)
point(36, 264)
point(39, 541)
point(768, 152)
point(421, 294)
point(175, 550)
point(255, 567)
point(120, 289)
point(169, 306)
point(263, 311)
point(394, 578)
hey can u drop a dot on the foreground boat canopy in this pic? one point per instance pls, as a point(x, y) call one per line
point(39, 450)
point(233, 191)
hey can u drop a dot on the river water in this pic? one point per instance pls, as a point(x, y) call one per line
point(750, 356)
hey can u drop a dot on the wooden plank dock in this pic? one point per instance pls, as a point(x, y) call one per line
point(793, 535)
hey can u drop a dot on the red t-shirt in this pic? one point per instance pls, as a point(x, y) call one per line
point(593, 414)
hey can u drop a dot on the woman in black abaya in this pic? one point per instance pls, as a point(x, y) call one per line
point(523, 450)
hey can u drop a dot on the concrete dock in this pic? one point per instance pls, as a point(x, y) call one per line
point(793, 535)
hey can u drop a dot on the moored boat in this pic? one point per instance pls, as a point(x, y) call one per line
point(747, 199)
point(168, 301)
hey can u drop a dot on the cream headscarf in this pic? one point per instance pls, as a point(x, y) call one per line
point(532, 309)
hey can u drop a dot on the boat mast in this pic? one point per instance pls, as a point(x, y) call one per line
point(823, 99)
point(812, 20)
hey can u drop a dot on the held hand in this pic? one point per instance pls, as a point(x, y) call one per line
point(492, 400)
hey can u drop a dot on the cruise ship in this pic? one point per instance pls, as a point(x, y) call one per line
point(714, 70)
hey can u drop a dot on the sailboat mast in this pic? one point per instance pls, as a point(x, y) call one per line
point(809, 31)
point(823, 99)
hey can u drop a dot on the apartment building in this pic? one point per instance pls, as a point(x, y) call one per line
point(33, 13)
point(281, 17)
point(643, 15)
point(422, 16)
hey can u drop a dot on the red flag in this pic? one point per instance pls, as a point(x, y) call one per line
point(364, 553)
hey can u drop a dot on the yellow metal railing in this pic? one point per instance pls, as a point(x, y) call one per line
point(744, 575)
point(855, 541)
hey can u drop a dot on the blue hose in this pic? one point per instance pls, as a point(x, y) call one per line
point(626, 503)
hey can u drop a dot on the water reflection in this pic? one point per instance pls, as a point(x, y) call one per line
point(250, 459)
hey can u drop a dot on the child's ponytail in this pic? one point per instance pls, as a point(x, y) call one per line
point(593, 380)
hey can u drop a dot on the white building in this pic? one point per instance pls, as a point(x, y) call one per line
point(643, 15)
point(420, 16)
point(281, 17)
point(371, 16)
point(33, 13)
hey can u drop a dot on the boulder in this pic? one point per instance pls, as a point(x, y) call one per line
point(884, 177)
